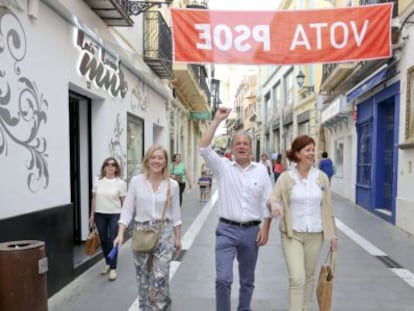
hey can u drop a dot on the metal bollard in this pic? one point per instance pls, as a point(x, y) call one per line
point(23, 283)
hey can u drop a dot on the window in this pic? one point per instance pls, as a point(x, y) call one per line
point(278, 99)
point(135, 145)
point(288, 136)
point(268, 108)
point(304, 128)
point(364, 154)
point(339, 158)
point(289, 87)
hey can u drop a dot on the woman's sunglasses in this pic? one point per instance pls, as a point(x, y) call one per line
point(110, 164)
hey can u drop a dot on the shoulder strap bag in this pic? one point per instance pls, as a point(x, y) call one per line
point(145, 240)
point(175, 176)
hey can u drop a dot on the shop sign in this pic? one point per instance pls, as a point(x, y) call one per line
point(97, 66)
point(200, 115)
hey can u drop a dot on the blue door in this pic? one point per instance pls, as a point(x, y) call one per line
point(364, 180)
point(377, 153)
point(388, 156)
point(385, 160)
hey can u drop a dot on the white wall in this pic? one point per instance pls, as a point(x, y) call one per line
point(44, 63)
point(344, 185)
point(405, 182)
point(50, 60)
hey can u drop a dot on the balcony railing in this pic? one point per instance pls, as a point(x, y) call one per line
point(239, 124)
point(201, 78)
point(158, 45)
point(252, 115)
point(328, 69)
point(112, 12)
point(369, 2)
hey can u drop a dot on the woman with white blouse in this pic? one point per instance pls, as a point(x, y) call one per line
point(302, 199)
point(145, 199)
point(108, 193)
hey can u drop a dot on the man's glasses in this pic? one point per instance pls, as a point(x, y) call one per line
point(110, 164)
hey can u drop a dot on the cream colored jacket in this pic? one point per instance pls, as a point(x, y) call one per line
point(281, 195)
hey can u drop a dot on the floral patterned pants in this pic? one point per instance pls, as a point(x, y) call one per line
point(153, 272)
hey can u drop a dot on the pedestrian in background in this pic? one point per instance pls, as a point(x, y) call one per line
point(179, 173)
point(146, 198)
point(302, 199)
point(228, 155)
point(266, 162)
point(326, 165)
point(204, 183)
point(108, 193)
point(278, 167)
point(244, 187)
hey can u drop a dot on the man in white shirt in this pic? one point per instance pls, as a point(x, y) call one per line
point(244, 187)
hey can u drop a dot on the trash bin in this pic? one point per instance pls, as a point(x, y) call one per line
point(23, 267)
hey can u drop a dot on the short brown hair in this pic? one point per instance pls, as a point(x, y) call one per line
point(118, 169)
point(298, 144)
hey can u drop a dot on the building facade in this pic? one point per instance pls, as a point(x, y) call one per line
point(403, 52)
point(78, 83)
point(366, 117)
point(359, 112)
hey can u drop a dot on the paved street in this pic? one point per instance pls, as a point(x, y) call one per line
point(374, 268)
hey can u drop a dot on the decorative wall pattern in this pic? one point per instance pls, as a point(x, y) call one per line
point(22, 106)
point(115, 146)
point(140, 97)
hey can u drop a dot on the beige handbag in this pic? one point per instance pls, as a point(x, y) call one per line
point(145, 240)
point(325, 283)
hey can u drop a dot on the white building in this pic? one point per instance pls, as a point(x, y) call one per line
point(405, 171)
point(72, 91)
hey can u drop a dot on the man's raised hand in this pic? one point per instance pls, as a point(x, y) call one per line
point(222, 113)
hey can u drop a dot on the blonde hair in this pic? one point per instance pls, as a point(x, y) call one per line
point(147, 157)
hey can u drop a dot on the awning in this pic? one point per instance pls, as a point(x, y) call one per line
point(367, 84)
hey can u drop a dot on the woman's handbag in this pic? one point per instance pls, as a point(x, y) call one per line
point(325, 283)
point(92, 242)
point(177, 178)
point(174, 176)
point(145, 240)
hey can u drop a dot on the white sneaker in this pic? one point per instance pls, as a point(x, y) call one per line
point(105, 270)
point(112, 275)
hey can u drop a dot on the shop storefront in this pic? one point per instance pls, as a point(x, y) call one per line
point(338, 136)
point(377, 129)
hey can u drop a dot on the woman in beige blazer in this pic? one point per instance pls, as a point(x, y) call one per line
point(302, 199)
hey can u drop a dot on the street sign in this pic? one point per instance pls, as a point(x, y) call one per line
point(200, 115)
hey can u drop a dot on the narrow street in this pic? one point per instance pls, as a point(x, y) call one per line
point(374, 268)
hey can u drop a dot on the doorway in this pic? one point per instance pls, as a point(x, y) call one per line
point(385, 159)
point(80, 165)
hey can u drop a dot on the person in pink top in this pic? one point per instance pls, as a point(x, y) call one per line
point(278, 167)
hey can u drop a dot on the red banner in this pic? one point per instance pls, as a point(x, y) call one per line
point(282, 37)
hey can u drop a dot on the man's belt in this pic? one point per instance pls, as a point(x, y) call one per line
point(240, 224)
